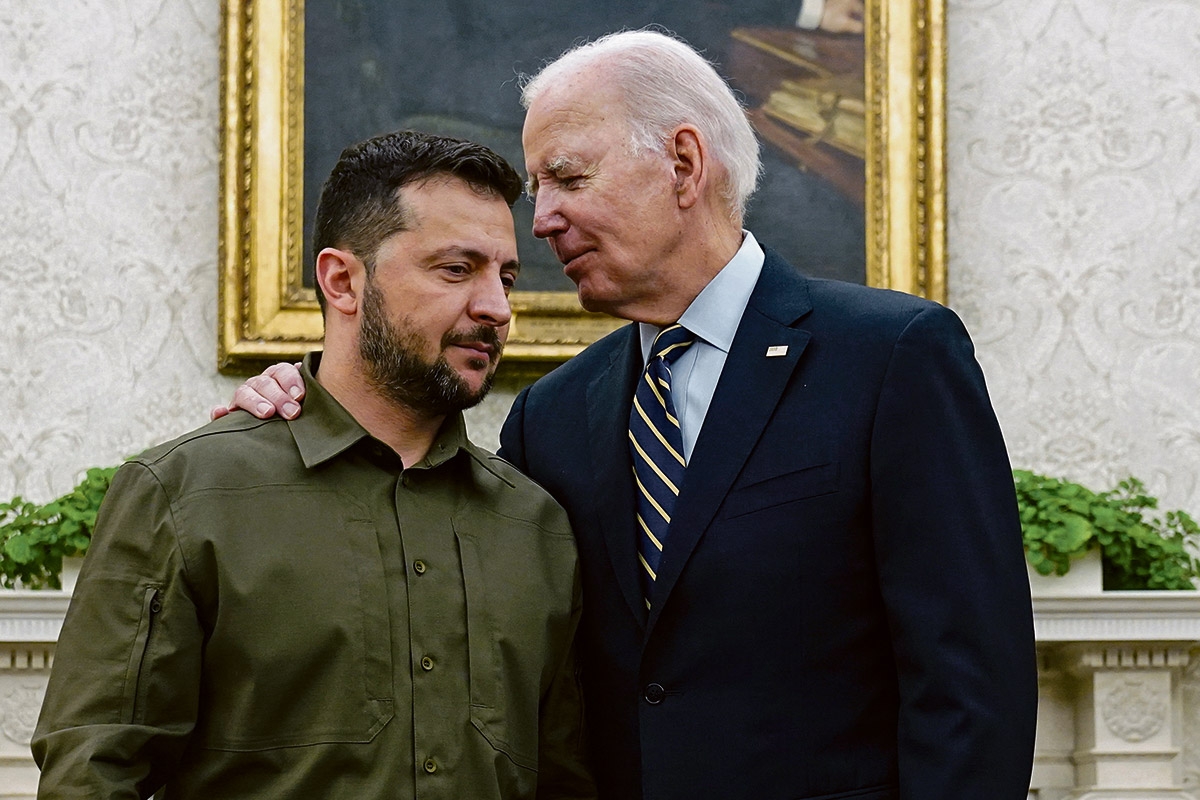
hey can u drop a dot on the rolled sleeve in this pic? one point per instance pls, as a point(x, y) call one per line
point(123, 695)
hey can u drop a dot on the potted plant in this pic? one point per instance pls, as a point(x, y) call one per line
point(34, 539)
point(1139, 549)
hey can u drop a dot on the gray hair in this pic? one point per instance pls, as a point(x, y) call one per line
point(666, 83)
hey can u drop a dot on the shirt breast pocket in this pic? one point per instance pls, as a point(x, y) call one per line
point(299, 651)
point(519, 581)
point(777, 490)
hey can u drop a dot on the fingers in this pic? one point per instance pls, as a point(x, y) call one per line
point(279, 389)
point(288, 378)
point(263, 397)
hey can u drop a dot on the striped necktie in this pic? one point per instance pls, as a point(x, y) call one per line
point(657, 449)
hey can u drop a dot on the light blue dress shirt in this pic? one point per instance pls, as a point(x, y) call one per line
point(714, 317)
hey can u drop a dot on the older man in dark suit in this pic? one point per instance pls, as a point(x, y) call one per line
point(829, 600)
point(802, 563)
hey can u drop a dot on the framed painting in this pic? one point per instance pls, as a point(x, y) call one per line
point(852, 128)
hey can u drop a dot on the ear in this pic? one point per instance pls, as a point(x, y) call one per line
point(689, 154)
point(341, 275)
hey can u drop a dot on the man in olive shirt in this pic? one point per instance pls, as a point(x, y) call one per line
point(359, 603)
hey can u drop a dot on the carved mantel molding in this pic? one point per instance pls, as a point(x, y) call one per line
point(1118, 617)
point(31, 617)
point(29, 627)
point(1111, 716)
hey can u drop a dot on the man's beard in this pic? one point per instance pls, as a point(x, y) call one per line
point(394, 365)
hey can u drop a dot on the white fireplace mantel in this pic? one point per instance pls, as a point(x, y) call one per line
point(29, 626)
point(1118, 617)
point(1111, 719)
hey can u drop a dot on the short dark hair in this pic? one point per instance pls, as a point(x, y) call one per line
point(360, 201)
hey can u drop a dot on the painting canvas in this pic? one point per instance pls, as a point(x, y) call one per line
point(842, 195)
point(454, 68)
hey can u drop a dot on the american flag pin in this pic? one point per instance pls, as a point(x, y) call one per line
point(777, 350)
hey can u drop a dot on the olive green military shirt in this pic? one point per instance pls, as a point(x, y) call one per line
point(277, 609)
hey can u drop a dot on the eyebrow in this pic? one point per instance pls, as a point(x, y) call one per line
point(473, 255)
point(554, 166)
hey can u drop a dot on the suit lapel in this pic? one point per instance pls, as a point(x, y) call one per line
point(609, 399)
point(747, 393)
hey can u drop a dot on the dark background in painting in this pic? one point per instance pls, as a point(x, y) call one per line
point(451, 67)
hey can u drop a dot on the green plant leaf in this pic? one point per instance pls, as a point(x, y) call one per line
point(35, 538)
point(1060, 519)
point(1072, 535)
point(19, 549)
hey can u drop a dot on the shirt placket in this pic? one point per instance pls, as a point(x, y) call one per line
point(437, 632)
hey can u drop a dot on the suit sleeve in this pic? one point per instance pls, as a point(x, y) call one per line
point(512, 433)
point(952, 572)
point(123, 694)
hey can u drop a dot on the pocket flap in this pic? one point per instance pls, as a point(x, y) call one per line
point(787, 488)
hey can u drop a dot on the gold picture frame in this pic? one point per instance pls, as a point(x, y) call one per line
point(266, 314)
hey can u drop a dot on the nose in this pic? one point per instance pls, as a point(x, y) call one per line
point(489, 304)
point(548, 219)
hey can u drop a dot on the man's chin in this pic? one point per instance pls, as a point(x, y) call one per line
point(589, 298)
point(476, 383)
point(476, 396)
point(596, 302)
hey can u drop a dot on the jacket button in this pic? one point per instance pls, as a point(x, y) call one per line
point(654, 694)
point(426, 663)
point(419, 567)
point(430, 766)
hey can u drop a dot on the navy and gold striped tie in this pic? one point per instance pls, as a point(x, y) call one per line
point(656, 445)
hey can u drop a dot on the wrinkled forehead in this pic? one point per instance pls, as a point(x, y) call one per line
point(560, 124)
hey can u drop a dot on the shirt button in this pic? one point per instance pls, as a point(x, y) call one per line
point(430, 766)
point(654, 694)
point(427, 663)
point(419, 567)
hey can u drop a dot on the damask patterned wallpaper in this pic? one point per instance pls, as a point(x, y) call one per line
point(108, 232)
point(1074, 231)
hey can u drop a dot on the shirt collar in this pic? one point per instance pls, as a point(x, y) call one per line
point(451, 438)
point(326, 429)
point(717, 311)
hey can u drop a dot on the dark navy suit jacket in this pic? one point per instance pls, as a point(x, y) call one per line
point(842, 609)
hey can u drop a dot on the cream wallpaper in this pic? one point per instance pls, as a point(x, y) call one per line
point(1074, 235)
point(108, 231)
